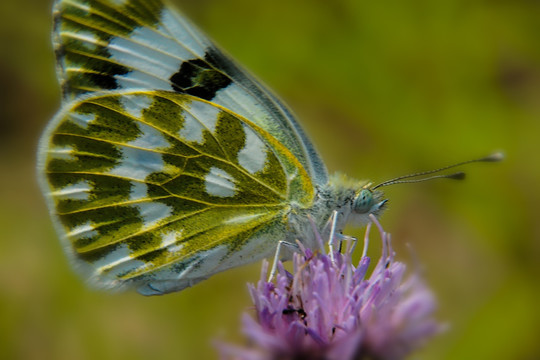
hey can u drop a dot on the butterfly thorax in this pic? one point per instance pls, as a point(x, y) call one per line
point(351, 199)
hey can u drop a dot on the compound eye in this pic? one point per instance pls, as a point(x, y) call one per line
point(363, 202)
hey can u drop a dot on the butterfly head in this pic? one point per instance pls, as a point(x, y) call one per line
point(355, 199)
point(368, 201)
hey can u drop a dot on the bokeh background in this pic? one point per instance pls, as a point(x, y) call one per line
point(384, 88)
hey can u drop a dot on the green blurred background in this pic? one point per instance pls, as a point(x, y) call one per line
point(383, 88)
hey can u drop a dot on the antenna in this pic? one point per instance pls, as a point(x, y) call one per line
point(498, 156)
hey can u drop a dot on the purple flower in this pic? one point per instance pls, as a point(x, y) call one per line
point(332, 310)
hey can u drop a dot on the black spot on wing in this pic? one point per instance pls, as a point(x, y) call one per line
point(196, 77)
point(100, 72)
point(185, 77)
point(101, 80)
point(104, 81)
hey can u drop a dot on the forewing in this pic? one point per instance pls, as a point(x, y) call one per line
point(143, 44)
point(145, 182)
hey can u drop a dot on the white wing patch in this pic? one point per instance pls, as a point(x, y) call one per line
point(137, 164)
point(220, 183)
point(192, 129)
point(77, 191)
point(236, 99)
point(152, 69)
point(253, 155)
point(137, 79)
point(198, 117)
point(183, 33)
point(205, 113)
point(168, 241)
point(62, 153)
point(138, 191)
point(140, 52)
point(150, 138)
point(153, 212)
point(135, 104)
point(175, 248)
point(86, 230)
point(153, 55)
point(82, 120)
point(120, 260)
point(163, 49)
point(88, 39)
point(121, 253)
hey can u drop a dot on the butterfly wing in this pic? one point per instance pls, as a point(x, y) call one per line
point(160, 190)
point(143, 44)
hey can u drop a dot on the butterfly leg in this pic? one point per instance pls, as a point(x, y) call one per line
point(334, 234)
point(333, 220)
point(350, 239)
point(281, 243)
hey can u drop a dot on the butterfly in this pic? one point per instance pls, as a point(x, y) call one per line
point(167, 162)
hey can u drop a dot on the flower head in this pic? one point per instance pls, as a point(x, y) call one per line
point(329, 309)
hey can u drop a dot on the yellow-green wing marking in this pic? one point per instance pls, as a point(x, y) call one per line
point(143, 44)
point(161, 190)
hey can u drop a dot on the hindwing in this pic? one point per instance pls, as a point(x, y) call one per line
point(145, 185)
